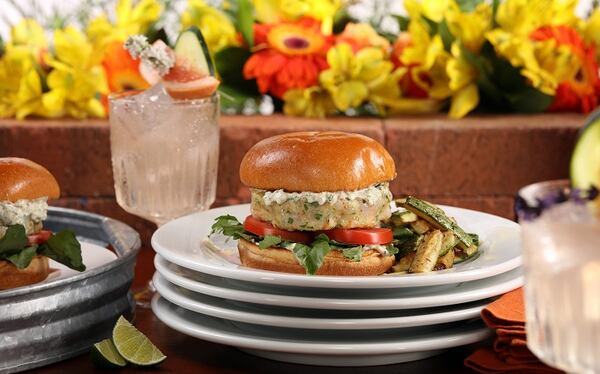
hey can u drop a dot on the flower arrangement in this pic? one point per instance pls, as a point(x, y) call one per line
point(309, 58)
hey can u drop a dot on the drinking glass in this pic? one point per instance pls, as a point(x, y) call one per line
point(561, 257)
point(164, 153)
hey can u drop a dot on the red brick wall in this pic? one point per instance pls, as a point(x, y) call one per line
point(478, 162)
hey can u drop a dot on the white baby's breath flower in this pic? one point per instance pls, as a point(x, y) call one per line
point(157, 55)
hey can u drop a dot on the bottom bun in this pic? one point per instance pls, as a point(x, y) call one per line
point(12, 277)
point(283, 260)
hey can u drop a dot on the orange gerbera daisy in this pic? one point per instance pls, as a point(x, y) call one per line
point(581, 91)
point(290, 55)
point(122, 71)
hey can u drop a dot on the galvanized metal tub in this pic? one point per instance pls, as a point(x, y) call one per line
point(49, 322)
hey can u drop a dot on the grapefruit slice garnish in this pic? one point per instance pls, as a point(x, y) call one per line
point(192, 89)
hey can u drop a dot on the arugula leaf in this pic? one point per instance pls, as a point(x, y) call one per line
point(63, 247)
point(353, 253)
point(228, 225)
point(392, 250)
point(23, 258)
point(269, 241)
point(14, 240)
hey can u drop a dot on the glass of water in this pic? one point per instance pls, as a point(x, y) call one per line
point(561, 256)
point(165, 154)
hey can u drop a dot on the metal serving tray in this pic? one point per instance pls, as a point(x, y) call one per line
point(51, 321)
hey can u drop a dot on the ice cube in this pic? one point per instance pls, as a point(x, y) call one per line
point(569, 212)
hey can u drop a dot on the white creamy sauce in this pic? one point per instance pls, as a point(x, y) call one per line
point(371, 195)
point(23, 211)
point(377, 247)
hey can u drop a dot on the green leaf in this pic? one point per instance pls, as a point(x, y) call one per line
point(14, 240)
point(63, 247)
point(529, 100)
point(447, 37)
point(22, 259)
point(269, 241)
point(154, 33)
point(228, 225)
point(432, 26)
point(392, 250)
point(230, 62)
point(353, 253)
point(403, 21)
point(311, 257)
point(468, 5)
point(245, 21)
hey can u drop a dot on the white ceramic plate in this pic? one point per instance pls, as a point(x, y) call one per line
point(93, 256)
point(328, 348)
point(181, 242)
point(314, 298)
point(313, 318)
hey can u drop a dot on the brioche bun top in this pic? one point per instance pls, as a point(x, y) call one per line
point(24, 179)
point(316, 162)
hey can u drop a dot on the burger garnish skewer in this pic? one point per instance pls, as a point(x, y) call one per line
point(25, 247)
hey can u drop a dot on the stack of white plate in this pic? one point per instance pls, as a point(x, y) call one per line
point(326, 320)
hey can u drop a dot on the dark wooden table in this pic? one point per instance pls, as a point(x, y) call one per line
point(189, 355)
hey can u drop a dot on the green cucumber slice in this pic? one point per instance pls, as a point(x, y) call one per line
point(191, 46)
point(585, 161)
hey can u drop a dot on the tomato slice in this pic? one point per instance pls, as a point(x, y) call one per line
point(262, 228)
point(361, 236)
point(39, 237)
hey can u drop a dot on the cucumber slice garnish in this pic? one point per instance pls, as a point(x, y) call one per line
point(585, 161)
point(191, 46)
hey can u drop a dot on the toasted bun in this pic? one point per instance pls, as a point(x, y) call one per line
point(316, 162)
point(11, 277)
point(24, 179)
point(283, 260)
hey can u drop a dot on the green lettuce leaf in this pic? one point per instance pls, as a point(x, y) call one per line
point(269, 241)
point(63, 247)
point(13, 241)
point(353, 253)
point(228, 225)
point(23, 258)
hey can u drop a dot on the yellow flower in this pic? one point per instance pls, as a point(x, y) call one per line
point(129, 20)
point(273, 11)
point(521, 17)
point(20, 85)
point(217, 29)
point(432, 9)
point(591, 30)
point(462, 75)
point(312, 102)
point(30, 35)
point(354, 79)
point(361, 35)
point(77, 77)
point(469, 27)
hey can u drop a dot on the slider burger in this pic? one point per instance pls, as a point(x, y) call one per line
point(25, 247)
point(318, 201)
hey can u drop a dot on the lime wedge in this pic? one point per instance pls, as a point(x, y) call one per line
point(105, 354)
point(134, 346)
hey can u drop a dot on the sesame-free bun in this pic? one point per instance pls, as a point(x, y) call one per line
point(283, 260)
point(316, 162)
point(24, 179)
point(12, 277)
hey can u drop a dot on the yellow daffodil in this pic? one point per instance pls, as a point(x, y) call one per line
point(30, 35)
point(217, 29)
point(469, 27)
point(130, 20)
point(272, 11)
point(77, 77)
point(314, 102)
point(353, 79)
point(20, 85)
point(432, 9)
